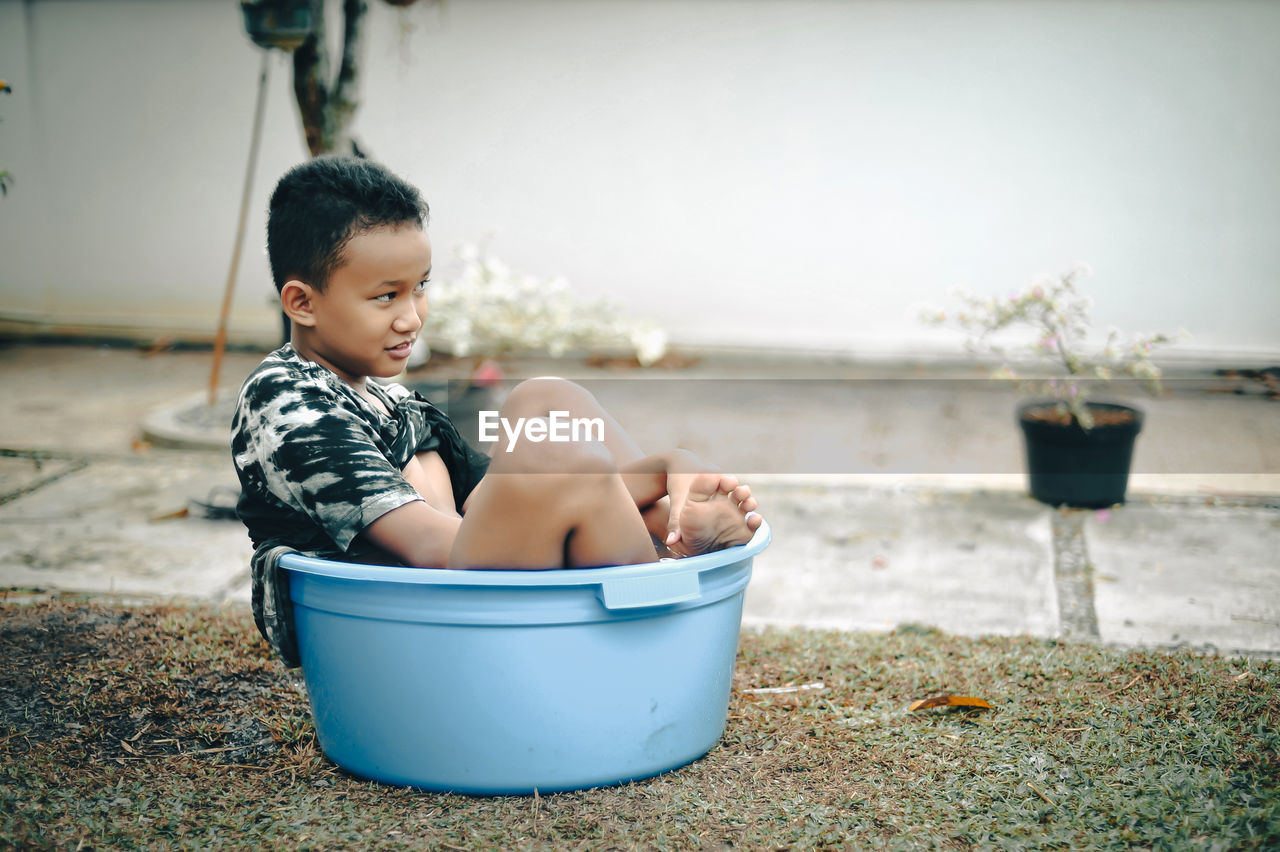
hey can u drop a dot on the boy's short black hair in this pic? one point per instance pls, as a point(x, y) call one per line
point(317, 207)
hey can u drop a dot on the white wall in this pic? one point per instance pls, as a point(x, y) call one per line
point(128, 132)
point(793, 174)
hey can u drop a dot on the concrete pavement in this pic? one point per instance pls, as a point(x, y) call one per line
point(924, 521)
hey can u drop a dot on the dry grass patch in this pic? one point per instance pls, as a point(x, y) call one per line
point(156, 727)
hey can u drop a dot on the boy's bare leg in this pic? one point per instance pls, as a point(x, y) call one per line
point(554, 505)
point(547, 505)
point(551, 520)
point(538, 397)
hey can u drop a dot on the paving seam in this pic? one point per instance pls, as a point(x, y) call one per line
point(77, 465)
point(1073, 577)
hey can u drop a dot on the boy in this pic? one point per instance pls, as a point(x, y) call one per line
point(334, 464)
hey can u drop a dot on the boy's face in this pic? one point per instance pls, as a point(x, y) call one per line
point(365, 321)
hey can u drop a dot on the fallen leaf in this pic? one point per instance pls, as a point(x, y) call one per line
point(948, 701)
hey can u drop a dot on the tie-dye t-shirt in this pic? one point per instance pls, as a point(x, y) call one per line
point(318, 463)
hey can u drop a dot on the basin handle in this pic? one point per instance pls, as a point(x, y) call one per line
point(650, 590)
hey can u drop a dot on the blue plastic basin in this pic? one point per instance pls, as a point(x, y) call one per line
point(499, 682)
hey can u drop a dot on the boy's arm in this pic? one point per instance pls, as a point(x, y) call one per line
point(427, 473)
point(420, 533)
point(660, 485)
point(416, 533)
point(651, 478)
point(663, 485)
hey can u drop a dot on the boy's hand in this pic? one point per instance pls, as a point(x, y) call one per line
point(689, 505)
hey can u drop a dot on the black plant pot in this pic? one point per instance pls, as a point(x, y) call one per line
point(1069, 466)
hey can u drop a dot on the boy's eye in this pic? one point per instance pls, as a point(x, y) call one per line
point(384, 297)
point(422, 286)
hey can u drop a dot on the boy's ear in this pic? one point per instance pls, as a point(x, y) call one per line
point(297, 301)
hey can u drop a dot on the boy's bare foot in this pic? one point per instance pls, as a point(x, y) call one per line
point(718, 513)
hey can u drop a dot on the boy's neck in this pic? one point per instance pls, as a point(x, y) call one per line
point(300, 345)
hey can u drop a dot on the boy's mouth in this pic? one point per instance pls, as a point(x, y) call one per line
point(400, 350)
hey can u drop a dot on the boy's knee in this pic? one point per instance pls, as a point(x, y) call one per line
point(548, 457)
point(547, 393)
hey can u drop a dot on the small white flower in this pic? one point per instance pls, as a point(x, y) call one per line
point(1080, 269)
point(650, 345)
point(496, 268)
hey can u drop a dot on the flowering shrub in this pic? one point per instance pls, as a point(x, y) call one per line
point(1057, 315)
point(489, 310)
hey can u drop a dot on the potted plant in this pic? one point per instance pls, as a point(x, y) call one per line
point(1078, 449)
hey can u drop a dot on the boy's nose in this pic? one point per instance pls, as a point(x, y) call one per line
point(410, 319)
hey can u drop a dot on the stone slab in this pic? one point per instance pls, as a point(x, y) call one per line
point(103, 529)
point(91, 399)
point(1176, 573)
point(871, 559)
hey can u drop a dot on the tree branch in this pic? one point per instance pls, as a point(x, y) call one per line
point(310, 84)
point(345, 87)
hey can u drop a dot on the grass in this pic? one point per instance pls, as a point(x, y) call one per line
point(162, 726)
